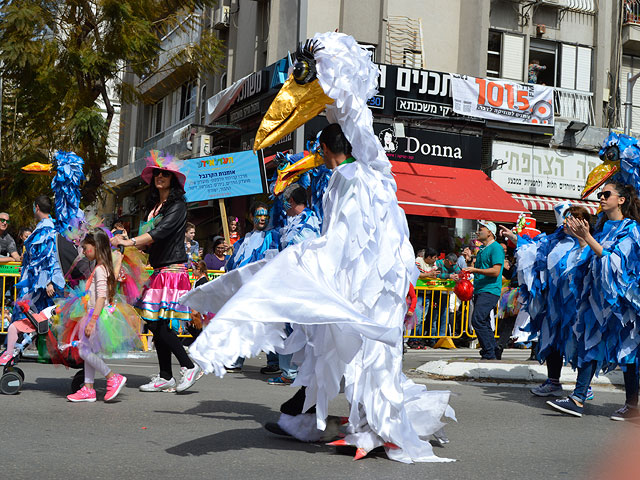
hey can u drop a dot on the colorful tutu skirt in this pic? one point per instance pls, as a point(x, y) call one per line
point(509, 305)
point(159, 300)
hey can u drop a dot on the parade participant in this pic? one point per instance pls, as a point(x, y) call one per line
point(103, 328)
point(550, 276)
point(351, 282)
point(249, 249)
point(301, 224)
point(41, 273)
point(163, 233)
point(606, 332)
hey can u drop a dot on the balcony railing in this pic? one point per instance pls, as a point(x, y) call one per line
point(632, 11)
point(574, 104)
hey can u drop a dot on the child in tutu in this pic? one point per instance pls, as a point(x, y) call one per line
point(105, 327)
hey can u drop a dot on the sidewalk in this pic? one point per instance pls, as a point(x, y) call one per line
point(465, 365)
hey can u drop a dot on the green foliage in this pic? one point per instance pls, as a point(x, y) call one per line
point(62, 61)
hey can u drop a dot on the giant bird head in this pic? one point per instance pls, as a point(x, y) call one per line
point(331, 72)
point(620, 156)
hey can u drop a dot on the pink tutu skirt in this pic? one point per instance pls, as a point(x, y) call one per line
point(159, 300)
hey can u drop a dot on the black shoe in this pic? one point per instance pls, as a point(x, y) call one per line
point(270, 370)
point(499, 351)
point(625, 414)
point(233, 370)
point(275, 428)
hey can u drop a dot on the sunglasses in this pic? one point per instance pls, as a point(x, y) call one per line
point(606, 194)
point(4, 220)
point(161, 173)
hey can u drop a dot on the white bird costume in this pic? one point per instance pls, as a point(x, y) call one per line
point(346, 290)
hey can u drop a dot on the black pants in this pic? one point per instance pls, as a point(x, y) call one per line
point(554, 365)
point(631, 385)
point(295, 404)
point(167, 342)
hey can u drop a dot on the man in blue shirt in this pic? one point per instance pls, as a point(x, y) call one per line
point(487, 285)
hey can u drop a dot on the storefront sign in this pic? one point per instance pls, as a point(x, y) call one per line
point(542, 171)
point(431, 147)
point(257, 83)
point(413, 91)
point(503, 101)
point(223, 176)
point(245, 111)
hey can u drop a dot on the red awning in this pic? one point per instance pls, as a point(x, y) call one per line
point(436, 191)
point(539, 202)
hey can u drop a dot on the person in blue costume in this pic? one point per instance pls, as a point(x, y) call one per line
point(251, 248)
point(301, 224)
point(41, 273)
point(549, 274)
point(606, 329)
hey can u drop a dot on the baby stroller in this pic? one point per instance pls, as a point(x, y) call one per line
point(75, 267)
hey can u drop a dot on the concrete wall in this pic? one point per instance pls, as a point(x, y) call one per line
point(440, 28)
point(473, 38)
point(283, 29)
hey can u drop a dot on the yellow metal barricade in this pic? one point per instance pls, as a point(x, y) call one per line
point(439, 312)
point(10, 273)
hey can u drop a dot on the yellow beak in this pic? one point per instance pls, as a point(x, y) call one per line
point(599, 175)
point(36, 167)
point(293, 106)
point(292, 173)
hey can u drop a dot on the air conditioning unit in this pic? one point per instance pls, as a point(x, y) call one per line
point(132, 154)
point(221, 18)
point(129, 206)
point(202, 145)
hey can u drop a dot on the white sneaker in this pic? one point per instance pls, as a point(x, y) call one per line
point(158, 384)
point(189, 377)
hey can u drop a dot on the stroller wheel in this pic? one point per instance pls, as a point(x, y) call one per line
point(10, 383)
point(17, 370)
point(77, 381)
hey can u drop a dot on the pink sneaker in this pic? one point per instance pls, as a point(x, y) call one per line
point(83, 395)
point(5, 357)
point(114, 385)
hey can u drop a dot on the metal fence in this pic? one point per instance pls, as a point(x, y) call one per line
point(440, 314)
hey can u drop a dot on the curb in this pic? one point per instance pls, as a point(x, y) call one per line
point(512, 372)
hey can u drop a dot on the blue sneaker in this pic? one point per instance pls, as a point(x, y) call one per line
point(547, 389)
point(566, 405)
point(590, 395)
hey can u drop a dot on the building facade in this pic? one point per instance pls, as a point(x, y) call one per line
point(581, 49)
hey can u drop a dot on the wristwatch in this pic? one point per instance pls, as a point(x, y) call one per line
point(134, 241)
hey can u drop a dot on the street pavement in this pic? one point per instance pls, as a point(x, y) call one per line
point(214, 430)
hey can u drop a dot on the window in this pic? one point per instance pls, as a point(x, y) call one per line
point(187, 99)
point(505, 56)
point(575, 68)
point(157, 117)
point(542, 62)
point(630, 65)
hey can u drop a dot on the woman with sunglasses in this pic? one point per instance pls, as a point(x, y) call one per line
point(163, 235)
point(606, 330)
point(550, 271)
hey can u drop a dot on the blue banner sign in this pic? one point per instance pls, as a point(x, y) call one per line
point(223, 176)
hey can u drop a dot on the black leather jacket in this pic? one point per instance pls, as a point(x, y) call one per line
point(168, 236)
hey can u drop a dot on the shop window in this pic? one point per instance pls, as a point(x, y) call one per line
point(505, 55)
point(187, 99)
point(542, 62)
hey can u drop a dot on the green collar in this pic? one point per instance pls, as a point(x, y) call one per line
point(348, 160)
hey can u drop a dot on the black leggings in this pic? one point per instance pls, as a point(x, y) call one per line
point(554, 365)
point(167, 342)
